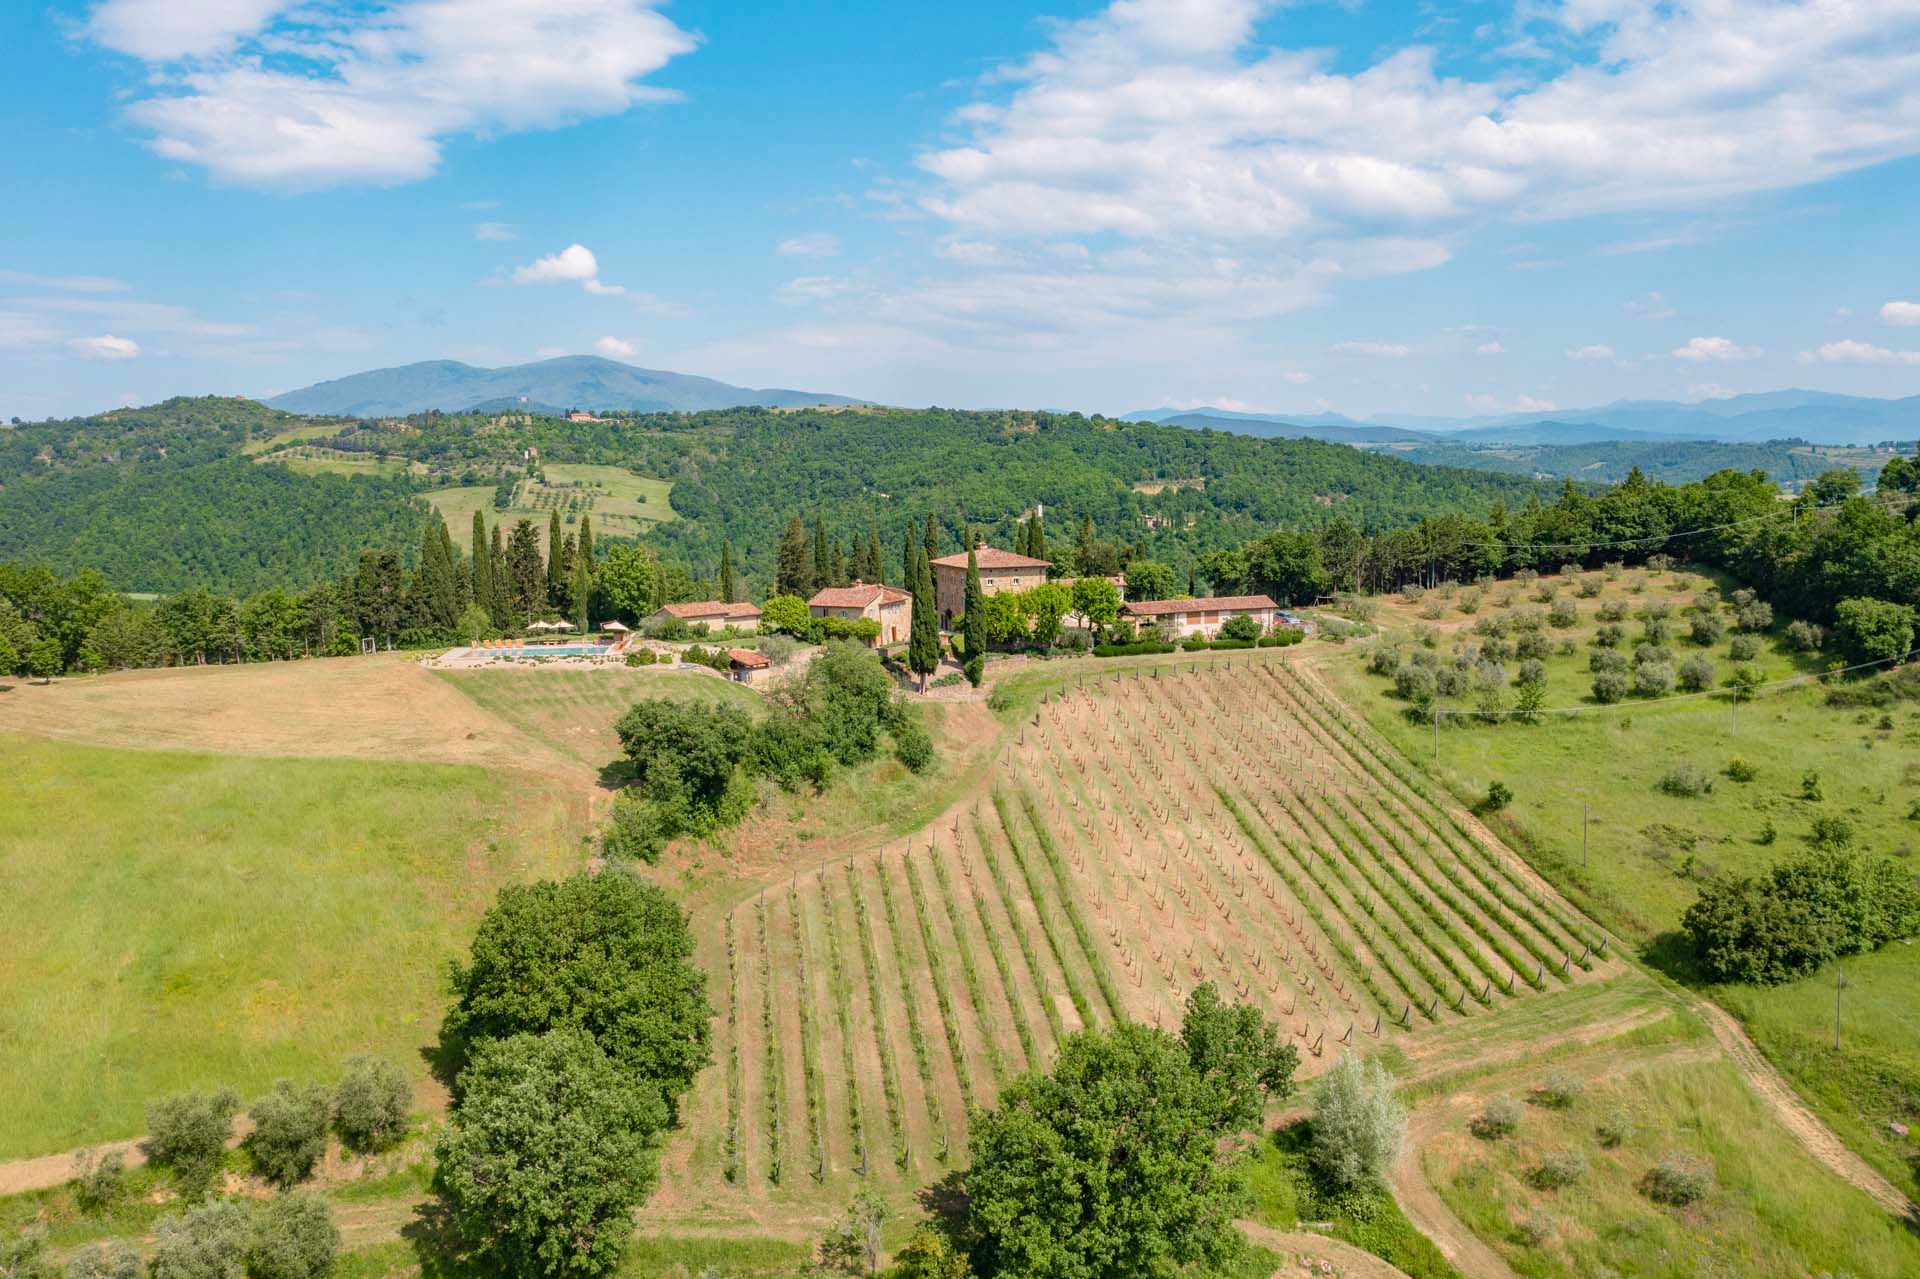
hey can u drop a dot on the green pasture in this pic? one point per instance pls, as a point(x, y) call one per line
point(180, 921)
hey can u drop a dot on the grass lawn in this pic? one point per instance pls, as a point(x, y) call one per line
point(318, 461)
point(574, 710)
point(185, 921)
point(1648, 849)
point(620, 502)
point(1772, 1212)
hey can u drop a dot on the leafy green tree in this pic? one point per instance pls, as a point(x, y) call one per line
point(529, 579)
point(289, 1132)
point(1873, 630)
point(974, 627)
point(187, 1134)
point(10, 660)
point(629, 581)
point(1150, 580)
point(370, 1104)
point(923, 628)
point(1239, 1055)
point(795, 575)
point(552, 1146)
point(43, 659)
point(1358, 1123)
point(1242, 628)
point(1044, 606)
point(852, 1244)
point(1096, 601)
point(604, 953)
point(1107, 1167)
point(788, 614)
point(1286, 566)
point(207, 1241)
point(684, 752)
point(293, 1237)
point(115, 1260)
point(929, 1255)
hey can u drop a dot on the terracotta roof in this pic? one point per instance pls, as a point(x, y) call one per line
point(748, 658)
point(992, 557)
point(710, 608)
point(1213, 604)
point(859, 595)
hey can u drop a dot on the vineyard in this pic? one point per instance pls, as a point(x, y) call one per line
point(1141, 835)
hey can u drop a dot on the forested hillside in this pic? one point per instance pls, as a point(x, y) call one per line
point(1791, 463)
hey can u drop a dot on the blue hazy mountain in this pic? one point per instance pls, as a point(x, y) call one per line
point(573, 381)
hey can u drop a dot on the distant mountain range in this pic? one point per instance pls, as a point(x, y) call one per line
point(549, 386)
point(1818, 417)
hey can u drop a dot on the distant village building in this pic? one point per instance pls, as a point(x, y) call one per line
point(891, 607)
point(715, 614)
point(579, 415)
point(744, 664)
point(1202, 616)
point(999, 571)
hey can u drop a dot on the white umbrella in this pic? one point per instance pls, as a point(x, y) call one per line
point(614, 626)
point(561, 626)
point(542, 626)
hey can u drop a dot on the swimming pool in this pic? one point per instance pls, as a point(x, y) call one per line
point(552, 650)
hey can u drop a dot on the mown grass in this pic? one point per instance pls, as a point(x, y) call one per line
point(181, 921)
point(1648, 850)
point(574, 710)
point(1773, 1212)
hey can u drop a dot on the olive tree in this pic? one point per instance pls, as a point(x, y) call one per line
point(1358, 1124)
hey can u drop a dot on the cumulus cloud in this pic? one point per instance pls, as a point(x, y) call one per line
point(813, 288)
point(1596, 351)
point(814, 244)
point(1902, 313)
point(1715, 349)
point(1651, 307)
point(1850, 351)
point(1528, 404)
point(493, 231)
point(267, 93)
point(1386, 350)
point(105, 346)
point(1490, 348)
point(65, 283)
point(616, 348)
point(573, 264)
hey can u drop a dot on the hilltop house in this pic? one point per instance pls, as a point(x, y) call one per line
point(999, 571)
point(891, 607)
point(1202, 616)
point(714, 614)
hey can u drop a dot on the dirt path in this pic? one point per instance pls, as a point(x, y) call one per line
point(46, 1171)
point(1302, 1248)
point(1430, 1214)
point(1821, 1141)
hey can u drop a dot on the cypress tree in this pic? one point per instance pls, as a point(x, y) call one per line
point(580, 587)
point(975, 627)
point(794, 573)
point(875, 561)
point(556, 560)
point(500, 603)
point(482, 567)
point(1037, 538)
point(1083, 548)
point(726, 570)
point(822, 558)
point(456, 572)
point(931, 542)
point(909, 552)
point(923, 633)
point(839, 574)
point(586, 542)
point(967, 541)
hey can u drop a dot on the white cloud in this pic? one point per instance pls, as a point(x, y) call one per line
point(1597, 351)
point(1850, 351)
point(1528, 404)
point(813, 288)
point(266, 93)
point(1296, 377)
point(1483, 403)
point(105, 347)
point(617, 348)
point(573, 264)
point(1705, 350)
point(1387, 350)
point(1902, 313)
point(493, 231)
point(1651, 307)
point(65, 283)
point(1490, 348)
point(814, 244)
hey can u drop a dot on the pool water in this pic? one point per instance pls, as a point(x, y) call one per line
point(553, 650)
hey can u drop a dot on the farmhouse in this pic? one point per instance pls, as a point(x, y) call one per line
point(715, 614)
point(999, 571)
point(887, 605)
point(1202, 616)
point(743, 664)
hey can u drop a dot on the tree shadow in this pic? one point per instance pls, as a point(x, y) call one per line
point(946, 1202)
point(615, 775)
point(438, 1246)
point(446, 1056)
point(1671, 953)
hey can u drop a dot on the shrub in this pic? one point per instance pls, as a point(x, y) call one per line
point(1559, 1168)
point(1533, 644)
point(1707, 600)
point(1561, 1089)
point(1611, 635)
point(1872, 630)
point(1684, 781)
point(293, 1238)
point(1469, 600)
point(777, 649)
point(1745, 682)
point(370, 1104)
point(1589, 588)
point(1616, 1128)
point(1384, 659)
point(1534, 1229)
point(289, 1132)
point(1495, 649)
point(98, 1180)
point(641, 657)
point(1563, 613)
point(1657, 611)
point(188, 1135)
point(666, 628)
point(1754, 617)
point(208, 1241)
point(1415, 683)
point(1358, 1124)
point(1679, 1179)
point(1653, 679)
point(1610, 686)
point(1657, 630)
point(1805, 637)
point(1696, 674)
point(1706, 629)
point(1194, 643)
point(1743, 648)
point(1612, 611)
point(1499, 795)
point(1500, 1119)
point(911, 744)
point(1810, 788)
point(1531, 673)
point(116, 1260)
point(1739, 770)
point(1137, 648)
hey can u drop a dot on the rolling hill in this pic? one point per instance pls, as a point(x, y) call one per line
point(573, 381)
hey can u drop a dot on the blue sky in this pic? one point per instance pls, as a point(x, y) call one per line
point(1440, 209)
